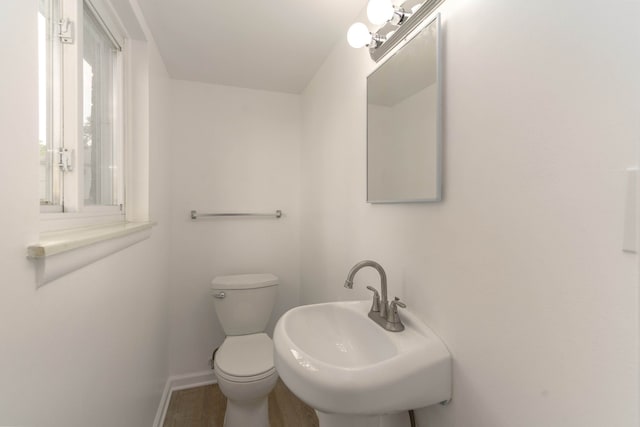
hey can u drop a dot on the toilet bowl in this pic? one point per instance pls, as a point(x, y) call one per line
point(246, 375)
point(243, 363)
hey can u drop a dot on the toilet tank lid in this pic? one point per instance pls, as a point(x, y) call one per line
point(244, 281)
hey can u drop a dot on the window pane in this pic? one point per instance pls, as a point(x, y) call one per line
point(98, 145)
point(44, 101)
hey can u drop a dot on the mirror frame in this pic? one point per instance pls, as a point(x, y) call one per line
point(435, 19)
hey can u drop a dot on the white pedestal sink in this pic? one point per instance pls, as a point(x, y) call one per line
point(340, 362)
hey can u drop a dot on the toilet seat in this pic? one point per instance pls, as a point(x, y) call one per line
point(251, 379)
point(245, 358)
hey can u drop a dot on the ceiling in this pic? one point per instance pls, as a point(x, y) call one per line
point(274, 45)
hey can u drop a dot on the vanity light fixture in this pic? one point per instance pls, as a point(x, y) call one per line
point(396, 23)
point(382, 11)
point(359, 36)
point(379, 12)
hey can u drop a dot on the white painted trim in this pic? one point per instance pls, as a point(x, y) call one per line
point(59, 253)
point(181, 382)
point(56, 242)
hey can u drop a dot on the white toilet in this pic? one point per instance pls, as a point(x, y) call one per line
point(244, 362)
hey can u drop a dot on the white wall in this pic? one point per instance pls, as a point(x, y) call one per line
point(88, 349)
point(233, 150)
point(520, 268)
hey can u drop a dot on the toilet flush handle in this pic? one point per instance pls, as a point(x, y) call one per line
point(219, 295)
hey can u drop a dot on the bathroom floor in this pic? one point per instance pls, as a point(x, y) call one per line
point(204, 407)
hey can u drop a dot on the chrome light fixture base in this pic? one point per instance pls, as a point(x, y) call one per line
point(378, 50)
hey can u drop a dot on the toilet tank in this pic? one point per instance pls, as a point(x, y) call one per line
point(244, 302)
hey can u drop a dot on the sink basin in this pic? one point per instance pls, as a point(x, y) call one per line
point(338, 361)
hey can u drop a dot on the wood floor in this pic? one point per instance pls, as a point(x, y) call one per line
point(204, 407)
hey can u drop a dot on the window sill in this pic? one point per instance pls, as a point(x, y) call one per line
point(61, 252)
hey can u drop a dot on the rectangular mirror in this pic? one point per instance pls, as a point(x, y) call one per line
point(404, 122)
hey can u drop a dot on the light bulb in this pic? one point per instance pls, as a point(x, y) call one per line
point(358, 35)
point(379, 11)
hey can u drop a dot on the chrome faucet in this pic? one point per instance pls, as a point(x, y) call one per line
point(383, 313)
point(384, 303)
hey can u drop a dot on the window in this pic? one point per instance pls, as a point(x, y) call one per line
point(100, 70)
point(49, 190)
point(82, 99)
point(81, 121)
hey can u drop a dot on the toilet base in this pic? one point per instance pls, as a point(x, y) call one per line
point(247, 413)
point(247, 402)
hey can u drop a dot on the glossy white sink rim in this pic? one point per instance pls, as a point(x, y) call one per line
point(338, 360)
point(336, 335)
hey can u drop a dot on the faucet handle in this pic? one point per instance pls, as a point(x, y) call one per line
point(396, 301)
point(392, 314)
point(375, 306)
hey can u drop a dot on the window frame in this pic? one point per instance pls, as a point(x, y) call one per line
point(71, 240)
point(67, 115)
point(53, 102)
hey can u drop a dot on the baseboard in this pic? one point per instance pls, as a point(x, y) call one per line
point(181, 382)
